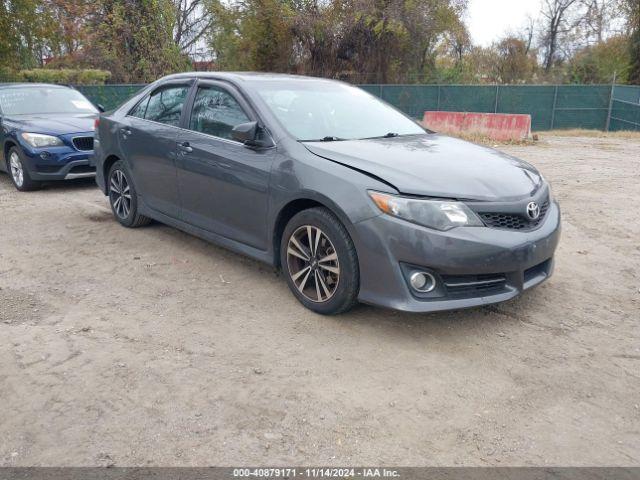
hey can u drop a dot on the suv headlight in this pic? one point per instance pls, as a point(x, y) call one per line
point(438, 214)
point(39, 140)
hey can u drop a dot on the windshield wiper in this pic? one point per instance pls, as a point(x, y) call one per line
point(386, 135)
point(328, 138)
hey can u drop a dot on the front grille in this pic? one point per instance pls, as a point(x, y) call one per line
point(83, 143)
point(47, 168)
point(474, 285)
point(512, 221)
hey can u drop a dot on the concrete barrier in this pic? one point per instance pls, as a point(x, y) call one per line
point(497, 126)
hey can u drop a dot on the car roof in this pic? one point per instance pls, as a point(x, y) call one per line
point(34, 85)
point(248, 77)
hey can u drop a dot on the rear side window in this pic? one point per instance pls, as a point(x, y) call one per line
point(215, 112)
point(163, 105)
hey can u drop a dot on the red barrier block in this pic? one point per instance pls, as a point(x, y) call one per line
point(497, 126)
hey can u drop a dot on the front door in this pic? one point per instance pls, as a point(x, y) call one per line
point(223, 184)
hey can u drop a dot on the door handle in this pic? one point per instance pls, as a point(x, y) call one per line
point(125, 131)
point(185, 147)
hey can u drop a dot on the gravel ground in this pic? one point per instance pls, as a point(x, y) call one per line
point(152, 347)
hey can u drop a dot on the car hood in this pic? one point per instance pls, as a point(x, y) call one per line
point(53, 124)
point(435, 165)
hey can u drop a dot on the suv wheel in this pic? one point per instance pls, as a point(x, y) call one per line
point(123, 197)
point(18, 173)
point(319, 261)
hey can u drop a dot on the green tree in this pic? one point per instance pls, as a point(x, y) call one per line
point(133, 40)
point(252, 35)
point(267, 39)
point(632, 10)
point(225, 36)
point(398, 40)
point(360, 40)
point(515, 63)
point(597, 64)
point(25, 27)
point(634, 50)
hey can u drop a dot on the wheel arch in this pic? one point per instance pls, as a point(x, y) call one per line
point(295, 206)
point(106, 167)
point(8, 145)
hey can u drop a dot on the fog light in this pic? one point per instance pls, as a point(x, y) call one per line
point(422, 282)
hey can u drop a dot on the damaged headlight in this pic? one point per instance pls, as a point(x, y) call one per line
point(438, 214)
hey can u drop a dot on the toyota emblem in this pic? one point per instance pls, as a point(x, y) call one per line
point(533, 210)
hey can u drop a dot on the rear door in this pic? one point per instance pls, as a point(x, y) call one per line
point(223, 184)
point(148, 139)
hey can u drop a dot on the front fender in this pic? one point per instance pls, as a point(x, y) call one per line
point(9, 138)
point(320, 181)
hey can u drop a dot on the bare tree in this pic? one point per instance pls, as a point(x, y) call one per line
point(601, 18)
point(529, 32)
point(193, 21)
point(458, 42)
point(526, 33)
point(557, 23)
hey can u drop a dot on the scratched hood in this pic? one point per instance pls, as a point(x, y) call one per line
point(435, 165)
point(53, 124)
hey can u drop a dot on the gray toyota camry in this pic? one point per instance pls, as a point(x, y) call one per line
point(350, 198)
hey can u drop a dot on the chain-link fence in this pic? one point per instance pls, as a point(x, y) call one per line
point(550, 106)
point(625, 108)
point(600, 107)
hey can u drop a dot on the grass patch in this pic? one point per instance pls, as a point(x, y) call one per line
point(536, 136)
point(491, 142)
point(590, 133)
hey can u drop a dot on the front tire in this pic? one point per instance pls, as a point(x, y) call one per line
point(123, 197)
point(319, 262)
point(19, 173)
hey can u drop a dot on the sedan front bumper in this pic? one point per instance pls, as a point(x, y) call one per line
point(472, 265)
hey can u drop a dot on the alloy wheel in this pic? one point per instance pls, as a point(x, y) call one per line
point(313, 263)
point(120, 194)
point(15, 165)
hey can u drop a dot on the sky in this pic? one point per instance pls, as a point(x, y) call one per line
point(489, 19)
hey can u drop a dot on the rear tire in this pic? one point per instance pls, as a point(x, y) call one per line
point(319, 262)
point(123, 197)
point(19, 173)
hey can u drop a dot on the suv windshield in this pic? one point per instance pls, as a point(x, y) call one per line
point(322, 110)
point(30, 100)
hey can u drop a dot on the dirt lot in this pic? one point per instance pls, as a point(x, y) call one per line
point(151, 347)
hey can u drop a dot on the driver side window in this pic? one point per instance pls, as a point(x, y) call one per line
point(215, 112)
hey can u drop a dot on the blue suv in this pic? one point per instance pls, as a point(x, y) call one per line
point(46, 133)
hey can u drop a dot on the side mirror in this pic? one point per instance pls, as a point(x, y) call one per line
point(251, 135)
point(245, 132)
point(101, 108)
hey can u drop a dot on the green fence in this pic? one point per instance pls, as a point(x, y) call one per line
point(109, 96)
point(599, 107)
point(550, 106)
point(625, 108)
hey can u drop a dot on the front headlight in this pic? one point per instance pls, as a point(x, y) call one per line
point(39, 140)
point(546, 182)
point(438, 214)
